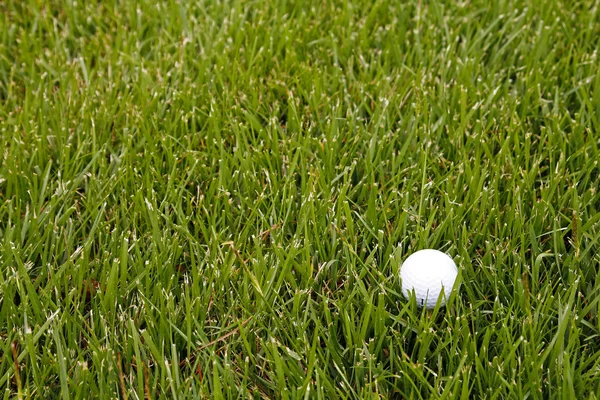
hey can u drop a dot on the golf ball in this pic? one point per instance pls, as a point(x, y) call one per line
point(430, 274)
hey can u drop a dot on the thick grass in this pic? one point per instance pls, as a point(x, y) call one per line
point(212, 200)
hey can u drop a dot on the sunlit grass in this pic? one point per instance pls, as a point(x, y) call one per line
point(212, 199)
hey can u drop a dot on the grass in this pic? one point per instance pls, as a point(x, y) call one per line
point(212, 199)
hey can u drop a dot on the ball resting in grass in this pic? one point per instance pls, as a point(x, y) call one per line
point(429, 274)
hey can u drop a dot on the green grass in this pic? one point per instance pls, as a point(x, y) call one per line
point(212, 199)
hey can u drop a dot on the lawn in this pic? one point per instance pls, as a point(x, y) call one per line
point(213, 199)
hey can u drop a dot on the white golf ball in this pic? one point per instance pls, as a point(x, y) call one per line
point(430, 274)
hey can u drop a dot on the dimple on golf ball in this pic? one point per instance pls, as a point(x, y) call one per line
point(430, 274)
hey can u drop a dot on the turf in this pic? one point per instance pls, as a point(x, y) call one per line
point(212, 199)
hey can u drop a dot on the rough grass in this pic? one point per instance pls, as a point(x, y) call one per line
point(212, 199)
